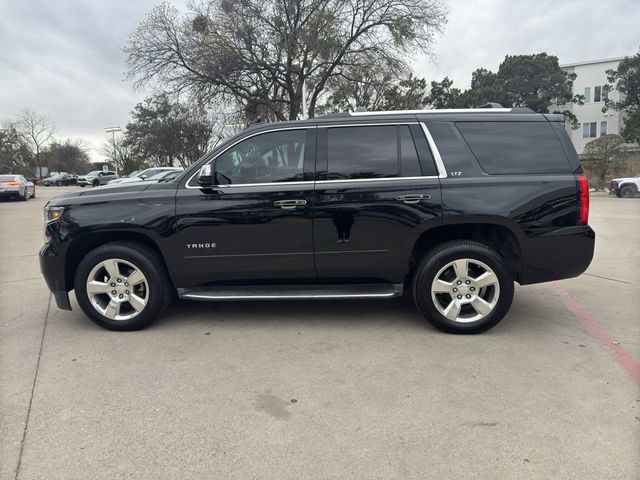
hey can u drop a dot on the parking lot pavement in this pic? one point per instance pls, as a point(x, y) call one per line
point(335, 389)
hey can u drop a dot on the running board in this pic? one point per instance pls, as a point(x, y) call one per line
point(291, 292)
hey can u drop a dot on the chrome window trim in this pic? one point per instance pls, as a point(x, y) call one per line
point(442, 171)
point(382, 179)
point(282, 129)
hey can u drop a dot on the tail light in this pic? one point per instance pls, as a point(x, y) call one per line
point(583, 199)
point(11, 184)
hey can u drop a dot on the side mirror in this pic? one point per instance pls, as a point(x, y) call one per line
point(205, 176)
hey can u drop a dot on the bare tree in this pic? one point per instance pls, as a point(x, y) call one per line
point(266, 53)
point(36, 131)
point(116, 149)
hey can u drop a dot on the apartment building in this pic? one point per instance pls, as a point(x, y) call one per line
point(591, 78)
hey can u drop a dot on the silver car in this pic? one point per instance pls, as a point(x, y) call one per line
point(16, 186)
point(154, 173)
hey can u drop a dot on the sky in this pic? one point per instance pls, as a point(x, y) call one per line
point(64, 58)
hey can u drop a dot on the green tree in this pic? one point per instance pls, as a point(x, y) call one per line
point(600, 157)
point(165, 133)
point(15, 157)
point(67, 156)
point(444, 95)
point(533, 81)
point(263, 54)
point(626, 80)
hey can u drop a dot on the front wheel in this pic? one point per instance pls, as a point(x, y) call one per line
point(463, 287)
point(122, 286)
point(627, 191)
point(96, 183)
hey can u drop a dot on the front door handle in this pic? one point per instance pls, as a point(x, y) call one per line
point(289, 204)
point(414, 198)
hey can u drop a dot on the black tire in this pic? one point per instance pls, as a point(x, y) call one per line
point(627, 191)
point(437, 259)
point(25, 196)
point(34, 192)
point(96, 183)
point(160, 289)
point(58, 183)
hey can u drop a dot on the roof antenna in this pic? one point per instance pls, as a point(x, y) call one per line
point(491, 105)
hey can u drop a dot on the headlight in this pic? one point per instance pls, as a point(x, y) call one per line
point(51, 214)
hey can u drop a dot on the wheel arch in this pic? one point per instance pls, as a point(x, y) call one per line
point(498, 236)
point(85, 243)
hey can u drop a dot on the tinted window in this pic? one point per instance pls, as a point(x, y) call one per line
point(270, 157)
point(362, 152)
point(409, 164)
point(515, 147)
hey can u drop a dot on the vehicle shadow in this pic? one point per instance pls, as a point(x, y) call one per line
point(395, 312)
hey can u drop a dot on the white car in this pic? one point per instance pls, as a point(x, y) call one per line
point(143, 175)
point(625, 187)
point(16, 186)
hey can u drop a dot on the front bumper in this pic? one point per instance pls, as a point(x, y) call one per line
point(562, 253)
point(53, 270)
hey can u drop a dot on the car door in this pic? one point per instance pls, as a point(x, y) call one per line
point(255, 225)
point(375, 193)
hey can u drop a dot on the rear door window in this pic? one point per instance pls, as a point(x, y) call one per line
point(515, 147)
point(377, 151)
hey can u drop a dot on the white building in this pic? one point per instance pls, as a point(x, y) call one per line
point(590, 80)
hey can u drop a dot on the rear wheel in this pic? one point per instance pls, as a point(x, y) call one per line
point(122, 286)
point(25, 195)
point(463, 287)
point(627, 191)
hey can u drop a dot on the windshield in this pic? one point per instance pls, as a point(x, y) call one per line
point(8, 178)
point(94, 172)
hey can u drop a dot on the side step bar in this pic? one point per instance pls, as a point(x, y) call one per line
point(291, 292)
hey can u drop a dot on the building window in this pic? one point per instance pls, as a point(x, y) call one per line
point(605, 93)
point(597, 93)
point(587, 94)
point(589, 130)
point(603, 128)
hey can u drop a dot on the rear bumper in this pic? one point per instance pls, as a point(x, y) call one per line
point(11, 192)
point(53, 271)
point(563, 253)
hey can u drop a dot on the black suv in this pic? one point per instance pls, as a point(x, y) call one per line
point(453, 206)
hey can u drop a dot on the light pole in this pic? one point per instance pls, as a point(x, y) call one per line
point(113, 131)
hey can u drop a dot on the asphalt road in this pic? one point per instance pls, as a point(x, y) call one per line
point(331, 390)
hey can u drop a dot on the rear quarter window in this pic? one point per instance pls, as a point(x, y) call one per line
point(515, 147)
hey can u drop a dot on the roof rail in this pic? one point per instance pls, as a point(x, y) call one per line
point(430, 112)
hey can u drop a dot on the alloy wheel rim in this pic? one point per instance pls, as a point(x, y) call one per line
point(465, 290)
point(117, 289)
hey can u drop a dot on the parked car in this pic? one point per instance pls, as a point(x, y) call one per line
point(16, 186)
point(451, 206)
point(60, 179)
point(36, 181)
point(96, 178)
point(625, 187)
point(147, 174)
point(166, 176)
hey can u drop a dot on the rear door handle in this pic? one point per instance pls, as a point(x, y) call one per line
point(289, 204)
point(414, 198)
